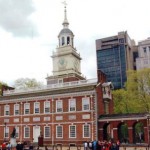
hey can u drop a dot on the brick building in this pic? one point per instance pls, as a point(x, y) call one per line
point(65, 111)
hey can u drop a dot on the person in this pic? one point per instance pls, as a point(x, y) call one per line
point(31, 147)
point(9, 146)
point(19, 146)
point(46, 148)
point(90, 144)
point(114, 146)
point(3, 146)
point(99, 145)
point(117, 144)
point(94, 145)
point(85, 145)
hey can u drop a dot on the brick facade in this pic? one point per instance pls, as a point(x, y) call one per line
point(78, 118)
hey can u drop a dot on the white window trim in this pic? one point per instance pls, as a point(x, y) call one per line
point(5, 110)
point(6, 129)
point(29, 131)
point(38, 107)
point(57, 132)
point(25, 108)
point(49, 131)
point(70, 104)
point(87, 98)
point(16, 109)
point(57, 105)
point(75, 131)
point(17, 131)
point(46, 107)
point(89, 130)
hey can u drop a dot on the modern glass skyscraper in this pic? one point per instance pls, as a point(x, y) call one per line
point(115, 57)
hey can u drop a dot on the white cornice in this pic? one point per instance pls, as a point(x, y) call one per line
point(48, 97)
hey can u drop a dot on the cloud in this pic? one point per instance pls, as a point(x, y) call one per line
point(15, 17)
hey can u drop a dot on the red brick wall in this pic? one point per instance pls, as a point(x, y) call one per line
point(65, 122)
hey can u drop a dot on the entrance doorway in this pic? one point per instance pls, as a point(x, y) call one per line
point(36, 133)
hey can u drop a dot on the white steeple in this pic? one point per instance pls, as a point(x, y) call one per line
point(66, 35)
point(65, 23)
point(66, 59)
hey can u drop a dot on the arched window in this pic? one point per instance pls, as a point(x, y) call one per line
point(63, 40)
point(138, 132)
point(106, 132)
point(123, 135)
point(68, 40)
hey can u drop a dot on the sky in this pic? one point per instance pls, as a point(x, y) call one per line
point(29, 32)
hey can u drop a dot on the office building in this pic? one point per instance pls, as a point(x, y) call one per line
point(143, 60)
point(115, 57)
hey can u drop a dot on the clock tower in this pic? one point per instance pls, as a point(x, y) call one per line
point(66, 60)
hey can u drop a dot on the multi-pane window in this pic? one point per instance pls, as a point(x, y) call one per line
point(47, 107)
point(26, 132)
point(6, 132)
point(86, 131)
point(46, 131)
point(6, 110)
point(16, 109)
point(72, 105)
point(59, 106)
point(17, 132)
point(59, 131)
point(27, 108)
point(72, 131)
point(36, 107)
point(86, 103)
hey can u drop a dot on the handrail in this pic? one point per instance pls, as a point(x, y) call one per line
point(51, 86)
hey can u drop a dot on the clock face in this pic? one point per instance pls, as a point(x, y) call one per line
point(62, 63)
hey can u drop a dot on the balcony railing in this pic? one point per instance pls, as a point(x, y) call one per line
point(51, 87)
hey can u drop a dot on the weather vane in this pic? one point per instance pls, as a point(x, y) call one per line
point(65, 4)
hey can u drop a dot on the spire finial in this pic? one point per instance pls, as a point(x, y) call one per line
point(65, 22)
point(65, 3)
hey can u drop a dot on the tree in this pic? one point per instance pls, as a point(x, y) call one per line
point(120, 102)
point(1, 86)
point(136, 95)
point(123, 103)
point(24, 83)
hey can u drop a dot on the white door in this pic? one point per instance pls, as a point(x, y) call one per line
point(36, 133)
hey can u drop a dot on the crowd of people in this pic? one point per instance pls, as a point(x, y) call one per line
point(101, 145)
point(19, 146)
point(6, 145)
